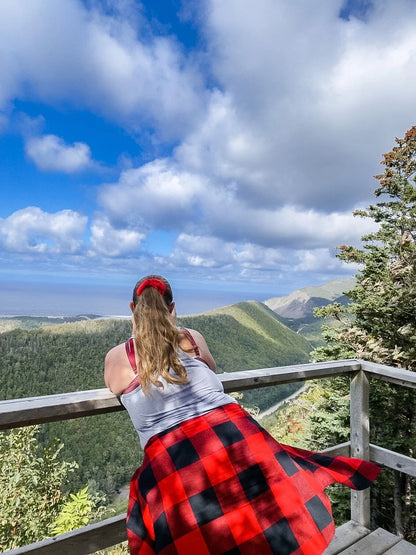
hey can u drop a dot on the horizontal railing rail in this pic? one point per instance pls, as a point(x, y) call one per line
point(17, 413)
point(50, 408)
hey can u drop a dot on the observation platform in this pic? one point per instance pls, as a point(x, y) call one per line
point(353, 537)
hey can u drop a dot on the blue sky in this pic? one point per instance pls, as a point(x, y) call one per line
point(222, 144)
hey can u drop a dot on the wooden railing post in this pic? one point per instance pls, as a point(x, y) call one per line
point(360, 442)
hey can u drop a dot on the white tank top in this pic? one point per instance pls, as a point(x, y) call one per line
point(162, 408)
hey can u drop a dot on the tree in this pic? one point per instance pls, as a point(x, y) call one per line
point(30, 487)
point(32, 506)
point(380, 323)
point(384, 298)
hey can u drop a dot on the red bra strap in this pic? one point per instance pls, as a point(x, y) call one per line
point(192, 340)
point(131, 354)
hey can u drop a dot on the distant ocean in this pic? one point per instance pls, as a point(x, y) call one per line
point(40, 299)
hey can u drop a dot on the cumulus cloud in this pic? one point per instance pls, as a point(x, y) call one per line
point(213, 258)
point(288, 226)
point(110, 64)
point(51, 153)
point(209, 252)
point(108, 241)
point(308, 101)
point(154, 195)
point(32, 230)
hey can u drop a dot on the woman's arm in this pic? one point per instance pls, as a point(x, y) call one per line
point(204, 351)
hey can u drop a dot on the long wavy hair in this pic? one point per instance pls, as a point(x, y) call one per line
point(156, 336)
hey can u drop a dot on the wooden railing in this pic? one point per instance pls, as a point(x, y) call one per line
point(50, 408)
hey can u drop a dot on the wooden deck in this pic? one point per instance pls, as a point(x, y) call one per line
point(352, 538)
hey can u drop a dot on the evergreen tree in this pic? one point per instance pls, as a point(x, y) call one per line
point(384, 298)
point(380, 323)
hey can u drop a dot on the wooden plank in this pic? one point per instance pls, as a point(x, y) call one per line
point(345, 535)
point(265, 377)
point(360, 446)
point(375, 543)
point(398, 376)
point(388, 458)
point(85, 540)
point(402, 548)
point(340, 450)
point(50, 408)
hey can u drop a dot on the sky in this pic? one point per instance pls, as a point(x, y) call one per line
point(224, 145)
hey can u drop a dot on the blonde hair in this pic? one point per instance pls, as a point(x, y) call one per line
point(156, 336)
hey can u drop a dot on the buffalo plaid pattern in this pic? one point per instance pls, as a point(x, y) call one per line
point(220, 484)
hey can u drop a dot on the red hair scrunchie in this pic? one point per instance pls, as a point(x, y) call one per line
point(152, 282)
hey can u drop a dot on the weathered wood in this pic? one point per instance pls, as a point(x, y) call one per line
point(85, 540)
point(265, 377)
point(346, 535)
point(50, 408)
point(360, 446)
point(375, 543)
point(398, 376)
point(402, 548)
point(23, 412)
point(340, 450)
point(393, 460)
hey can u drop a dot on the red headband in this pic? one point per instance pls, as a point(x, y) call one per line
point(152, 282)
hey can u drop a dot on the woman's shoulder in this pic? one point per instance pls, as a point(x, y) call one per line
point(115, 353)
point(192, 335)
point(117, 370)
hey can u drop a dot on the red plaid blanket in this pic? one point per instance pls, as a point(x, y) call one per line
point(220, 484)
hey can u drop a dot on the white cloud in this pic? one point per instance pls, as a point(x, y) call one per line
point(59, 52)
point(317, 260)
point(51, 153)
point(212, 258)
point(108, 241)
point(309, 101)
point(156, 194)
point(33, 231)
point(225, 215)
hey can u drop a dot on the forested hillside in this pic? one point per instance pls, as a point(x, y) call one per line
point(69, 357)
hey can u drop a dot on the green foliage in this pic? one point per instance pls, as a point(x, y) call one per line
point(70, 357)
point(316, 419)
point(380, 323)
point(30, 487)
point(75, 513)
point(8, 323)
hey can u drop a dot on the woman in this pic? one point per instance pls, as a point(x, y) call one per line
point(212, 479)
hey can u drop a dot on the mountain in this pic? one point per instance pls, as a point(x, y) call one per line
point(248, 335)
point(300, 303)
point(296, 310)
